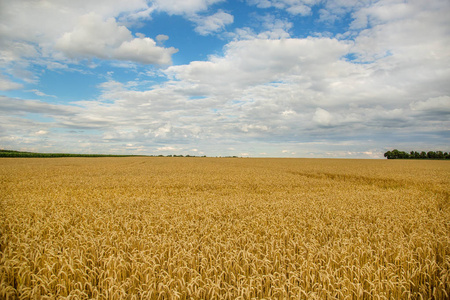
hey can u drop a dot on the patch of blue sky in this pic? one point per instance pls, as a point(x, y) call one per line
point(197, 97)
point(68, 86)
point(180, 32)
point(241, 13)
point(354, 58)
point(18, 94)
point(65, 86)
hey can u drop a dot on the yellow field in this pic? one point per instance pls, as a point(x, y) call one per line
point(219, 228)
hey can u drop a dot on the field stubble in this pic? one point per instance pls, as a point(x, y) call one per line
point(219, 228)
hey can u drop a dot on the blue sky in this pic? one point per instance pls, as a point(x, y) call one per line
point(260, 78)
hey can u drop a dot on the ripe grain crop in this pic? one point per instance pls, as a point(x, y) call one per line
point(224, 228)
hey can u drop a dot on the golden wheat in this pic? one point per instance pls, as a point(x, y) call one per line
point(206, 228)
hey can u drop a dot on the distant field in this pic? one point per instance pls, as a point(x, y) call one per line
point(219, 228)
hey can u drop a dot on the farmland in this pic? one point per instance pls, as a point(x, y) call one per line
point(224, 228)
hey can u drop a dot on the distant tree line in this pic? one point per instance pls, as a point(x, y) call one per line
point(396, 154)
point(13, 153)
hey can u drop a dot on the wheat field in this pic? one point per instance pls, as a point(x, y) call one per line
point(224, 228)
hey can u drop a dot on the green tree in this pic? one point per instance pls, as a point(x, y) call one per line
point(388, 155)
point(431, 154)
point(395, 154)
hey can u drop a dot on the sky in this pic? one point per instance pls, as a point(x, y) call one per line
point(257, 78)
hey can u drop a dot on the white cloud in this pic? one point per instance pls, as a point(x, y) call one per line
point(163, 130)
point(41, 94)
point(269, 27)
point(288, 113)
point(7, 85)
point(294, 7)
point(383, 12)
point(41, 132)
point(322, 117)
point(213, 23)
point(43, 22)
point(111, 86)
point(180, 7)
point(161, 38)
point(167, 148)
point(274, 28)
point(437, 105)
point(144, 50)
point(95, 37)
point(259, 61)
point(19, 106)
point(336, 9)
point(299, 9)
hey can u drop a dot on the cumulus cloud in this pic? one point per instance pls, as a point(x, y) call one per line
point(260, 61)
point(144, 50)
point(213, 23)
point(383, 12)
point(43, 23)
point(95, 37)
point(269, 26)
point(296, 7)
point(161, 38)
point(299, 9)
point(322, 117)
point(180, 7)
